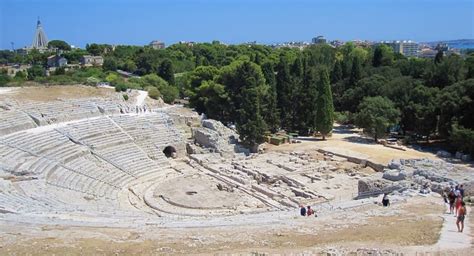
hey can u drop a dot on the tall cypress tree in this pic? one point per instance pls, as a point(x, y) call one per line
point(325, 107)
point(309, 100)
point(356, 72)
point(336, 74)
point(378, 56)
point(284, 92)
point(270, 110)
point(296, 96)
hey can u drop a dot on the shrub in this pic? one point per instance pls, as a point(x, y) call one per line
point(121, 87)
point(153, 93)
point(462, 139)
point(342, 117)
point(60, 71)
point(92, 81)
point(4, 79)
point(125, 97)
point(169, 93)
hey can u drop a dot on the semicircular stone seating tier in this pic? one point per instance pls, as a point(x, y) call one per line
point(92, 160)
point(16, 117)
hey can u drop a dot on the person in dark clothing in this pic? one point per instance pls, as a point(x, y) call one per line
point(302, 210)
point(461, 190)
point(385, 200)
point(451, 199)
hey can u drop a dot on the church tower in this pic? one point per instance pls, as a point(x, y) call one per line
point(40, 41)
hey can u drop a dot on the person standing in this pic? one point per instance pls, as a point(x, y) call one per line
point(458, 205)
point(385, 200)
point(461, 215)
point(451, 199)
point(461, 190)
point(302, 210)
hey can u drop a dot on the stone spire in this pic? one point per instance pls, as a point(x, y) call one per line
point(40, 40)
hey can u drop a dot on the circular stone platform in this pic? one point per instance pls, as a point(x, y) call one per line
point(202, 192)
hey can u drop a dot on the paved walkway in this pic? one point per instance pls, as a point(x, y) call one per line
point(450, 238)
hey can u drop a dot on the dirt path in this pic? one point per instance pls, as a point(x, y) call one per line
point(350, 142)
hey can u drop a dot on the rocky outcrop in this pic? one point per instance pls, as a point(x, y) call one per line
point(431, 175)
point(394, 175)
point(369, 185)
point(424, 174)
point(469, 188)
point(214, 135)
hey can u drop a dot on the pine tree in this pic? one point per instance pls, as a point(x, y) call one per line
point(166, 71)
point(270, 110)
point(246, 86)
point(325, 107)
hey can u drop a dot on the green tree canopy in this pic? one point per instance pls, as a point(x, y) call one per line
point(383, 56)
point(166, 71)
point(246, 88)
point(59, 44)
point(375, 115)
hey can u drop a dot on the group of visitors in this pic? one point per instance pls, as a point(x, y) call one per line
point(454, 196)
point(307, 211)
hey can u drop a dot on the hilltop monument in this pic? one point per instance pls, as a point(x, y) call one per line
point(40, 41)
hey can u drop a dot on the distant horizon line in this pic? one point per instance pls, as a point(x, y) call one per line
point(256, 42)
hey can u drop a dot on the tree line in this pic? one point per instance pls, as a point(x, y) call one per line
point(260, 88)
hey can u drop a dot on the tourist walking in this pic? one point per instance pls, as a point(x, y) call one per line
point(451, 199)
point(458, 205)
point(445, 198)
point(461, 190)
point(461, 215)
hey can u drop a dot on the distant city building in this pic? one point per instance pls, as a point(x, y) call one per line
point(444, 47)
point(406, 47)
point(299, 45)
point(13, 69)
point(188, 43)
point(336, 43)
point(318, 40)
point(56, 61)
point(427, 53)
point(157, 45)
point(89, 60)
point(362, 43)
point(250, 43)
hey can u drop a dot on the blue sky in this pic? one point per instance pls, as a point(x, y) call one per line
point(233, 21)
